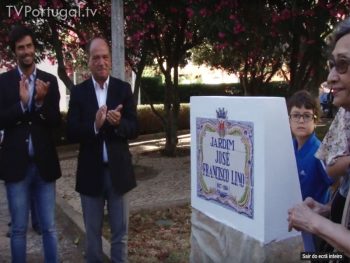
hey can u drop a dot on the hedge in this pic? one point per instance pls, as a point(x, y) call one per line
point(153, 90)
point(148, 121)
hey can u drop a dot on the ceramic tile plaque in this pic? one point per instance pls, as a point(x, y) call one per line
point(243, 168)
point(225, 162)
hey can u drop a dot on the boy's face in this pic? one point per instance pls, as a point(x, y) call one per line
point(302, 122)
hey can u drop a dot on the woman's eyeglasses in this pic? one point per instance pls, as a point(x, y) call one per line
point(341, 65)
point(307, 117)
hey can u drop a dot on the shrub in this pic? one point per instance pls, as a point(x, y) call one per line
point(276, 89)
point(148, 121)
point(152, 89)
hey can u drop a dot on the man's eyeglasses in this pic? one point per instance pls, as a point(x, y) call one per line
point(307, 117)
point(341, 65)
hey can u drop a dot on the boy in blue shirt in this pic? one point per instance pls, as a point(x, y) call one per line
point(314, 182)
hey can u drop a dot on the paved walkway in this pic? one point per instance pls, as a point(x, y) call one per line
point(162, 182)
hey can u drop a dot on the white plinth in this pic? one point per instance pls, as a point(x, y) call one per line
point(253, 140)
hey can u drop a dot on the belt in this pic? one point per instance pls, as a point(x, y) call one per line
point(105, 164)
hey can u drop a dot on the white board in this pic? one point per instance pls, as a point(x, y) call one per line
point(243, 168)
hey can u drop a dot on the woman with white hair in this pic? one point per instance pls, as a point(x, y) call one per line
point(310, 215)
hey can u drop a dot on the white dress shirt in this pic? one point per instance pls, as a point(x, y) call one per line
point(31, 86)
point(101, 95)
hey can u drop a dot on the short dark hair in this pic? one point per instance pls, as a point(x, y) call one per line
point(342, 29)
point(17, 33)
point(303, 98)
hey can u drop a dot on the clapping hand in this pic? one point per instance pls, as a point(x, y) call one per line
point(24, 91)
point(114, 116)
point(100, 116)
point(41, 88)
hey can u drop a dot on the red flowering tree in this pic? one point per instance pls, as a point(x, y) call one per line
point(165, 31)
point(304, 26)
point(61, 29)
point(238, 40)
point(257, 39)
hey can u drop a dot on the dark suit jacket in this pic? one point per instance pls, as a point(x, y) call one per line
point(83, 106)
point(1, 169)
point(17, 126)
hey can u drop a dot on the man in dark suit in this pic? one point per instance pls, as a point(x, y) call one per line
point(102, 117)
point(1, 139)
point(29, 111)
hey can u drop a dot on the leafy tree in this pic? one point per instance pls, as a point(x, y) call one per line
point(238, 40)
point(304, 27)
point(61, 29)
point(137, 47)
point(258, 39)
point(166, 31)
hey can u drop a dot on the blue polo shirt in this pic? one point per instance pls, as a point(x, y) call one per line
point(314, 181)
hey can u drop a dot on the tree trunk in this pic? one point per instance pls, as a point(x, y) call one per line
point(171, 107)
point(61, 69)
point(171, 137)
point(140, 67)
